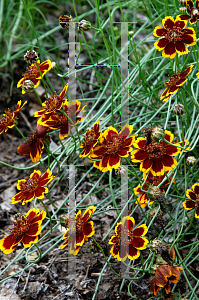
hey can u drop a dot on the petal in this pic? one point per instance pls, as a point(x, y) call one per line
point(88, 229)
point(17, 198)
point(193, 20)
point(157, 168)
point(189, 4)
point(180, 82)
point(180, 23)
point(159, 31)
point(79, 238)
point(113, 160)
point(189, 40)
point(37, 218)
point(168, 136)
point(34, 229)
point(161, 44)
point(140, 230)
point(45, 67)
point(8, 244)
point(139, 243)
point(45, 178)
point(137, 190)
point(128, 142)
point(168, 22)
point(146, 165)
point(104, 164)
point(169, 51)
point(124, 152)
point(31, 214)
point(28, 240)
point(88, 213)
point(169, 162)
point(140, 143)
point(138, 155)
point(189, 204)
point(28, 196)
point(195, 188)
point(113, 239)
point(63, 93)
point(40, 191)
point(172, 150)
point(115, 251)
point(184, 17)
point(168, 287)
point(133, 252)
point(153, 287)
point(126, 130)
point(128, 222)
point(181, 47)
point(191, 195)
point(197, 213)
point(24, 149)
point(165, 92)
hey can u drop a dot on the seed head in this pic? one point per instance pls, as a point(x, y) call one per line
point(178, 109)
point(31, 57)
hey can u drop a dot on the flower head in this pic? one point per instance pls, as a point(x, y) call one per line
point(175, 82)
point(174, 37)
point(79, 230)
point(114, 145)
point(163, 275)
point(156, 157)
point(32, 73)
point(193, 13)
point(35, 145)
point(31, 187)
point(31, 57)
point(25, 229)
point(56, 121)
point(127, 241)
point(194, 199)
point(90, 139)
point(8, 119)
point(151, 180)
point(51, 105)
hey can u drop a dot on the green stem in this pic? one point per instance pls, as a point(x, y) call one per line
point(21, 133)
point(33, 261)
point(51, 228)
point(112, 194)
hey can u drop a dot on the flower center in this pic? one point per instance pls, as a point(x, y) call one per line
point(173, 79)
point(113, 144)
point(21, 226)
point(33, 138)
point(31, 72)
point(30, 185)
point(7, 117)
point(155, 150)
point(89, 138)
point(174, 34)
point(53, 103)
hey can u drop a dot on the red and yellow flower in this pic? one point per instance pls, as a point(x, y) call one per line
point(127, 241)
point(32, 73)
point(175, 82)
point(35, 145)
point(114, 145)
point(8, 119)
point(194, 199)
point(193, 13)
point(51, 105)
point(79, 230)
point(90, 139)
point(163, 275)
point(174, 37)
point(31, 187)
point(156, 157)
point(25, 229)
point(151, 180)
point(61, 121)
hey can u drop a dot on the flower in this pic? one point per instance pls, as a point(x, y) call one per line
point(32, 73)
point(193, 13)
point(114, 145)
point(31, 187)
point(194, 199)
point(51, 105)
point(156, 157)
point(163, 275)
point(64, 21)
point(175, 82)
point(31, 57)
point(79, 230)
point(127, 241)
point(151, 180)
point(174, 37)
point(35, 145)
point(90, 139)
point(8, 119)
point(26, 229)
point(61, 121)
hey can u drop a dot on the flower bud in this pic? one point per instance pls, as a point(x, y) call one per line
point(131, 32)
point(159, 246)
point(65, 21)
point(154, 192)
point(157, 134)
point(31, 57)
point(178, 109)
point(120, 171)
point(53, 65)
point(191, 161)
point(182, 2)
point(64, 221)
point(41, 130)
point(27, 86)
point(183, 9)
point(84, 25)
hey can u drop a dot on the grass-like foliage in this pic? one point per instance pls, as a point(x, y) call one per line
point(120, 102)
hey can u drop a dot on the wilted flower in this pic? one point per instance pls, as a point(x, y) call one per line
point(31, 187)
point(26, 229)
point(9, 118)
point(127, 241)
point(31, 57)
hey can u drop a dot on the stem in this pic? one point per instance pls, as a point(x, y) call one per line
point(21, 133)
